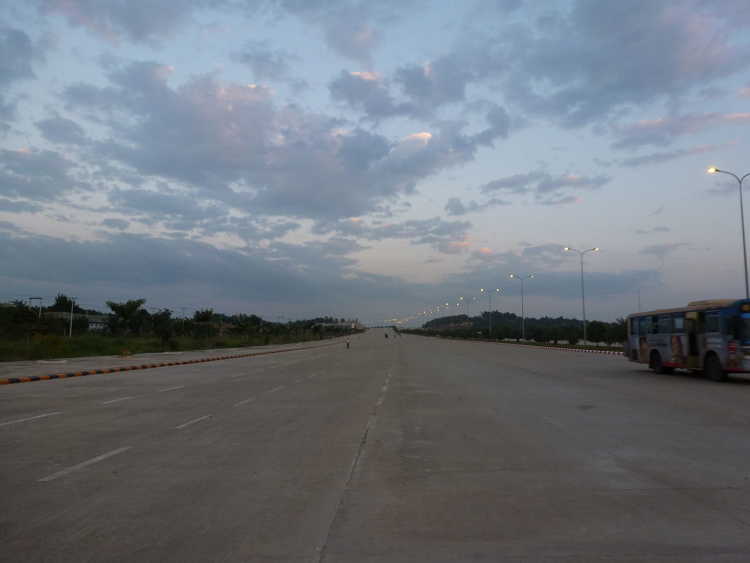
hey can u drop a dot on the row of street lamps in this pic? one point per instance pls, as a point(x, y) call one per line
point(581, 253)
point(498, 291)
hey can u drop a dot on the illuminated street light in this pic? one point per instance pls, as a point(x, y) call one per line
point(523, 300)
point(581, 253)
point(489, 311)
point(714, 170)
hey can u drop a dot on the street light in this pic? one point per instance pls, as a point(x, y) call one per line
point(523, 302)
point(489, 311)
point(714, 170)
point(581, 253)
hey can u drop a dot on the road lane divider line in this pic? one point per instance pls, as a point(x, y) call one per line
point(30, 418)
point(321, 551)
point(30, 378)
point(171, 389)
point(83, 464)
point(275, 389)
point(244, 401)
point(119, 399)
point(191, 422)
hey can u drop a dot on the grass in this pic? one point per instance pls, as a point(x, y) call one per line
point(45, 347)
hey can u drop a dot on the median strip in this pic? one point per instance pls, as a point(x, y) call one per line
point(28, 379)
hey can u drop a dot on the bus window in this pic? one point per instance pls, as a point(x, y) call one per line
point(679, 323)
point(634, 327)
point(711, 323)
point(665, 324)
point(654, 325)
point(644, 325)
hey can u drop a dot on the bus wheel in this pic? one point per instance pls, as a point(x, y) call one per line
point(656, 364)
point(712, 368)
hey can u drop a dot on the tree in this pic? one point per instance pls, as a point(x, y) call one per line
point(127, 317)
point(62, 305)
point(596, 331)
point(203, 316)
point(202, 327)
point(163, 325)
point(617, 331)
point(572, 335)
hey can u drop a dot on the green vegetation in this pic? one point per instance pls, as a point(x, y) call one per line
point(507, 326)
point(28, 333)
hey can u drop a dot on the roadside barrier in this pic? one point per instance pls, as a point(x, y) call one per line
point(30, 378)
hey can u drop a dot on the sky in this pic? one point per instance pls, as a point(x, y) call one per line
point(294, 158)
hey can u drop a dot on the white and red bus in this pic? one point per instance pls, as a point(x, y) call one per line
point(712, 335)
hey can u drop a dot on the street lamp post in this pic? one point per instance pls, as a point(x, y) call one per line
point(489, 310)
point(714, 170)
point(581, 253)
point(523, 301)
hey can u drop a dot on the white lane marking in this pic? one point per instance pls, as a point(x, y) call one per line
point(116, 400)
point(45, 415)
point(171, 389)
point(189, 422)
point(244, 402)
point(81, 465)
point(279, 388)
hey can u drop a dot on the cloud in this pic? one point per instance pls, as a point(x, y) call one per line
point(307, 279)
point(232, 143)
point(35, 174)
point(660, 157)
point(135, 20)
point(16, 55)
point(18, 206)
point(661, 251)
point(455, 206)
point(598, 59)
point(546, 261)
point(445, 236)
point(62, 130)
point(119, 224)
point(351, 28)
point(269, 64)
point(656, 211)
point(438, 82)
point(652, 230)
point(663, 131)
point(365, 91)
point(546, 189)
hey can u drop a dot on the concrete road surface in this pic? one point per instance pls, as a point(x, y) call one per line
point(403, 449)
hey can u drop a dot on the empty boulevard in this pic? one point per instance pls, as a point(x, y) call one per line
point(396, 449)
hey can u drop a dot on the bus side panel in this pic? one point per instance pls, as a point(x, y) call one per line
point(678, 347)
point(661, 343)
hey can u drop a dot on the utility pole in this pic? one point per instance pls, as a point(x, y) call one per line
point(39, 315)
point(70, 325)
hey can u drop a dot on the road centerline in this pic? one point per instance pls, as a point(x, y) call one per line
point(171, 389)
point(191, 422)
point(119, 399)
point(245, 401)
point(83, 464)
point(30, 418)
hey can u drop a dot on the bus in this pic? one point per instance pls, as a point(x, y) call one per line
point(712, 336)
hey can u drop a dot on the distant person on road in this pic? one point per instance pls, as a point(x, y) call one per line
point(347, 344)
point(386, 335)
